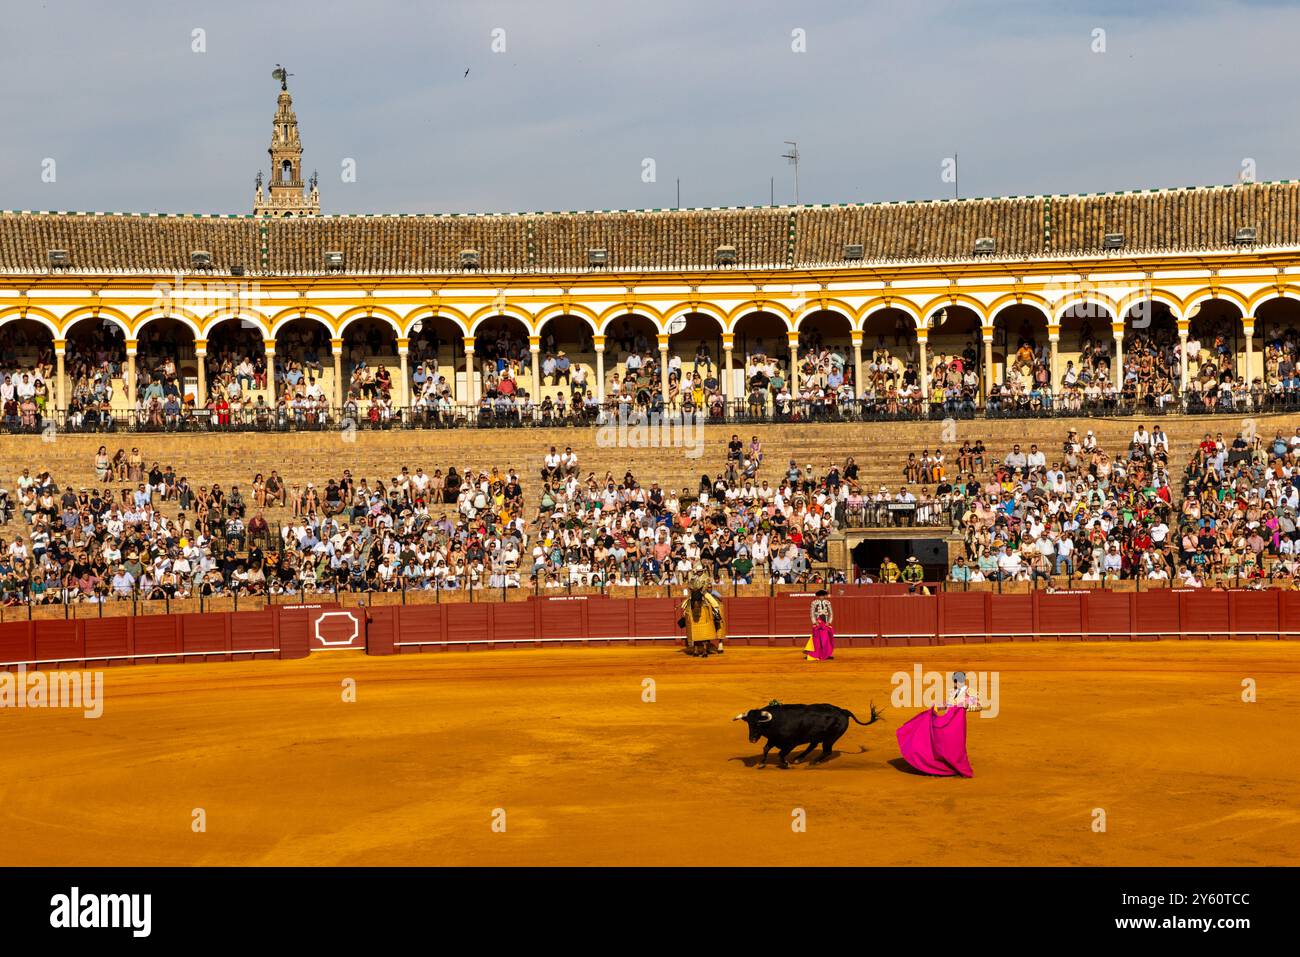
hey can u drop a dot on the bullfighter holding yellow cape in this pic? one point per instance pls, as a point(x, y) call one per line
point(702, 616)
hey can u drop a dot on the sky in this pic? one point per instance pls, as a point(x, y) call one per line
point(607, 104)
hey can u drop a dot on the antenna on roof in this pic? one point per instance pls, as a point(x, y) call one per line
point(679, 193)
point(956, 176)
point(793, 157)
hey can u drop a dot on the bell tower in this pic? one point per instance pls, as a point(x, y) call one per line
point(286, 196)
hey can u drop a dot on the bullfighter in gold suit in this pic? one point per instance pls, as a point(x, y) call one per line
point(702, 616)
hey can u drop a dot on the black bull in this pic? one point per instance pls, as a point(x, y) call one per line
point(786, 726)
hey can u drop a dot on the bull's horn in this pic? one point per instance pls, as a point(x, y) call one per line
point(739, 717)
point(767, 715)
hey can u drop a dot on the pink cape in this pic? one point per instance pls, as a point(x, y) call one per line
point(823, 641)
point(935, 743)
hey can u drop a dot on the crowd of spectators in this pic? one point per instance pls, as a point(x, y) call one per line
point(1035, 515)
point(146, 533)
point(1083, 514)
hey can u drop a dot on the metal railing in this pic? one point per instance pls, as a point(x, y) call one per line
point(509, 413)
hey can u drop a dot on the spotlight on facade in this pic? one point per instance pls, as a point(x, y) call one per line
point(236, 270)
point(1112, 241)
point(334, 261)
point(985, 246)
point(1245, 235)
point(200, 259)
point(725, 255)
point(469, 259)
point(597, 257)
point(853, 250)
point(59, 259)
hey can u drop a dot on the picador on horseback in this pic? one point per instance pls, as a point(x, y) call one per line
point(702, 616)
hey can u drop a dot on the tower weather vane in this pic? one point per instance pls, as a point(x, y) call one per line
point(281, 74)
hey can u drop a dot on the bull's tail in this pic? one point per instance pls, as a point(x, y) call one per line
point(875, 716)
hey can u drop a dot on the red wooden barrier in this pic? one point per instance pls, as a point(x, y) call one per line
point(154, 639)
point(862, 618)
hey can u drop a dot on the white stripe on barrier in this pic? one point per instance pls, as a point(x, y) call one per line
point(538, 641)
point(164, 654)
point(972, 634)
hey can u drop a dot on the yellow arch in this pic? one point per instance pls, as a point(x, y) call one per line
point(370, 312)
point(1155, 295)
point(1098, 299)
point(489, 311)
point(701, 306)
point(578, 312)
point(643, 309)
point(1205, 295)
point(237, 313)
point(142, 319)
point(886, 302)
point(285, 316)
point(954, 299)
point(838, 306)
point(435, 312)
point(1273, 292)
point(104, 312)
point(36, 314)
point(759, 305)
point(1019, 299)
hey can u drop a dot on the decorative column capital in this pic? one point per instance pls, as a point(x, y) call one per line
point(599, 342)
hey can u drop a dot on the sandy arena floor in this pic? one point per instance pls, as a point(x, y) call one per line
point(286, 772)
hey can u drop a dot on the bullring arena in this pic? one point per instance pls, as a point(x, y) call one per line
point(1048, 442)
point(1126, 700)
point(590, 774)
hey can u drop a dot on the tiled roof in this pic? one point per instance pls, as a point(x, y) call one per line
point(1203, 218)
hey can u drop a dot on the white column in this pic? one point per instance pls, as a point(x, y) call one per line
point(988, 362)
point(471, 376)
point(200, 365)
point(130, 372)
point(1117, 375)
point(792, 340)
point(1248, 326)
point(728, 346)
point(336, 346)
point(534, 355)
point(600, 368)
point(1054, 343)
point(404, 390)
point(269, 345)
point(1184, 329)
point(922, 342)
point(663, 367)
point(857, 364)
point(60, 375)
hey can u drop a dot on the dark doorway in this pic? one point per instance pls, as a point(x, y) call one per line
point(931, 552)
